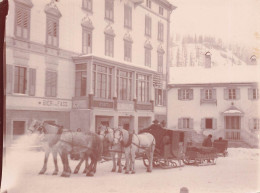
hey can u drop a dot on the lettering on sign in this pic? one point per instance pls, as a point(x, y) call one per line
point(54, 103)
point(102, 104)
point(125, 106)
point(144, 107)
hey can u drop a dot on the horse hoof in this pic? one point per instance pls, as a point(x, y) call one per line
point(90, 174)
point(55, 173)
point(149, 170)
point(133, 172)
point(113, 170)
point(119, 171)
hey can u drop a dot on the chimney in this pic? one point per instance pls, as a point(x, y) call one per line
point(207, 60)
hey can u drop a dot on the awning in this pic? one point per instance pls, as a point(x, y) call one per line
point(233, 111)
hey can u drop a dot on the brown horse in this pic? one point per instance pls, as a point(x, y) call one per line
point(86, 144)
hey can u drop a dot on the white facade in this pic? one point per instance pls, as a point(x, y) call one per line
point(62, 24)
point(230, 117)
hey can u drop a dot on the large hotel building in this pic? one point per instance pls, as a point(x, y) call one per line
point(85, 62)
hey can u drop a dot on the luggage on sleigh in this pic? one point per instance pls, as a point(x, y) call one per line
point(169, 149)
point(221, 147)
point(198, 155)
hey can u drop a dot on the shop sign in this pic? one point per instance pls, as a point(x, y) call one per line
point(54, 103)
point(144, 107)
point(103, 104)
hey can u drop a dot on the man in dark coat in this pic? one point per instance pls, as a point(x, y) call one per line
point(207, 142)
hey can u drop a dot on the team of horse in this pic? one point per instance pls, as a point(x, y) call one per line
point(89, 145)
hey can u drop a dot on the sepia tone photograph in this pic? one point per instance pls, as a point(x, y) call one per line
point(130, 96)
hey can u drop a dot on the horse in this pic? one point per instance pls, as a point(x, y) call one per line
point(87, 144)
point(47, 146)
point(107, 134)
point(133, 144)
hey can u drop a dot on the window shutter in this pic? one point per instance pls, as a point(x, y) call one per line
point(191, 94)
point(32, 80)
point(214, 123)
point(214, 94)
point(180, 123)
point(179, 94)
point(203, 123)
point(226, 94)
point(202, 94)
point(47, 78)
point(237, 93)
point(156, 96)
point(9, 79)
point(164, 97)
point(251, 124)
point(250, 93)
point(191, 123)
point(55, 83)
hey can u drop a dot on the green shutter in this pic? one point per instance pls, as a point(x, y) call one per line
point(250, 94)
point(180, 123)
point(191, 123)
point(214, 94)
point(191, 94)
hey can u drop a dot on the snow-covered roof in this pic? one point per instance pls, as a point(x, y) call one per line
point(215, 74)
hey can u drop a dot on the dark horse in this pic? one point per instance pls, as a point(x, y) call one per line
point(65, 141)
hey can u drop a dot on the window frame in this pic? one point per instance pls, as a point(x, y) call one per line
point(25, 80)
point(148, 57)
point(160, 36)
point(148, 26)
point(107, 80)
point(24, 10)
point(84, 42)
point(109, 45)
point(149, 4)
point(85, 5)
point(127, 48)
point(185, 123)
point(127, 16)
point(161, 10)
point(256, 124)
point(109, 6)
point(120, 88)
point(160, 62)
point(80, 68)
point(185, 94)
point(52, 84)
point(142, 92)
point(52, 20)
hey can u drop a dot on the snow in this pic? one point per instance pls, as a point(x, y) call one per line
point(215, 74)
point(237, 173)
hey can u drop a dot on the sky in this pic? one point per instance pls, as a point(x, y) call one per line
point(231, 20)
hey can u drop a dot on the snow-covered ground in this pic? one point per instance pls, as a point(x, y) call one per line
point(237, 173)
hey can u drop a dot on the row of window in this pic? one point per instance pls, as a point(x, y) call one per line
point(231, 122)
point(101, 83)
point(22, 30)
point(22, 22)
point(149, 5)
point(209, 94)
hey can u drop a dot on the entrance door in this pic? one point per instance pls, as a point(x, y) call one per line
point(233, 126)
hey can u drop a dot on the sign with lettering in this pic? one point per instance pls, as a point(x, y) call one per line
point(144, 107)
point(54, 103)
point(125, 106)
point(103, 104)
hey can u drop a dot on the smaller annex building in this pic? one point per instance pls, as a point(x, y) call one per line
point(218, 100)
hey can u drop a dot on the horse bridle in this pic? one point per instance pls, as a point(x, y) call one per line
point(120, 135)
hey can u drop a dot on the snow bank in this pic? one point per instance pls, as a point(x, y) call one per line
point(237, 173)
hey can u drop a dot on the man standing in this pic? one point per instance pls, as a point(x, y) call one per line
point(207, 142)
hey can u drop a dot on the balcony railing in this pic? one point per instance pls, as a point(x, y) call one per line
point(232, 134)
